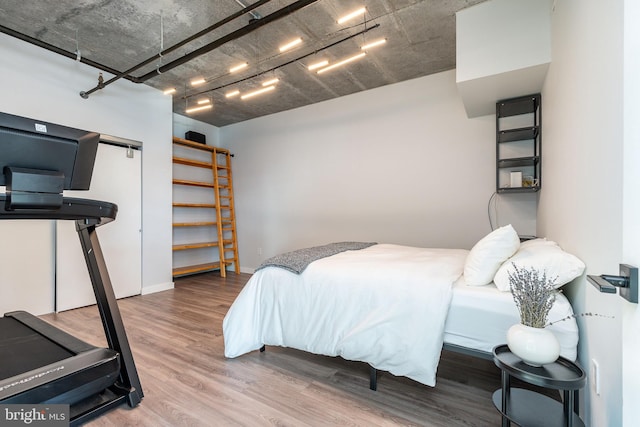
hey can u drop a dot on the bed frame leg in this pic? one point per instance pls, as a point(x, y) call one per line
point(262, 349)
point(373, 378)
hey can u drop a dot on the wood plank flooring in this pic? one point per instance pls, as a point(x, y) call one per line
point(176, 339)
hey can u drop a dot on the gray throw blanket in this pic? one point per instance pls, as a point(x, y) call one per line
point(297, 261)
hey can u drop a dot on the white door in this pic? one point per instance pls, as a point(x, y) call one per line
point(116, 179)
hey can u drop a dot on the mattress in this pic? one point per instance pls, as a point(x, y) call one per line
point(479, 317)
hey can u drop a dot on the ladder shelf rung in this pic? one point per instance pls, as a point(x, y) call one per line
point(193, 183)
point(185, 246)
point(194, 205)
point(192, 162)
point(199, 268)
point(195, 224)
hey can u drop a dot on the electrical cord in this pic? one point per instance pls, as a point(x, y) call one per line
point(493, 196)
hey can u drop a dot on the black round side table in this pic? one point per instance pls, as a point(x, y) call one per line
point(528, 408)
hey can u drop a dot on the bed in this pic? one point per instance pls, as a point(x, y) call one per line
point(395, 307)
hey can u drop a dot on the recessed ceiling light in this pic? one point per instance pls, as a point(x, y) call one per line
point(196, 109)
point(290, 45)
point(232, 93)
point(198, 81)
point(352, 15)
point(343, 62)
point(373, 44)
point(271, 82)
point(317, 65)
point(238, 67)
point(169, 91)
point(257, 92)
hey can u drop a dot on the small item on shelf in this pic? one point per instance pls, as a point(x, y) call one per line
point(195, 137)
point(516, 179)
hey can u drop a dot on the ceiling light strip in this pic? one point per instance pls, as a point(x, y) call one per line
point(299, 58)
point(238, 67)
point(257, 92)
point(169, 91)
point(317, 65)
point(351, 15)
point(198, 81)
point(343, 62)
point(271, 82)
point(373, 44)
point(232, 93)
point(290, 45)
point(196, 109)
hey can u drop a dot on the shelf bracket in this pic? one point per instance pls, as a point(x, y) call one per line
point(627, 281)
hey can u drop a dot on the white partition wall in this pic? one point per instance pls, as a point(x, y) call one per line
point(116, 179)
point(39, 84)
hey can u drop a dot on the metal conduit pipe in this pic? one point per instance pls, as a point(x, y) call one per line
point(281, 13)
point(55, 49)
point(126, 74)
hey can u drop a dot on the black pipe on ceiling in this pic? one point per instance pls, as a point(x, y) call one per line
point(281, 13)
point(55, 49)
point(126, 74)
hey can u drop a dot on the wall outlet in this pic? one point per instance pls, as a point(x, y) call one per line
point(595, 376)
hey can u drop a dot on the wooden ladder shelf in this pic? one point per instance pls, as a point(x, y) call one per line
point(222, 218)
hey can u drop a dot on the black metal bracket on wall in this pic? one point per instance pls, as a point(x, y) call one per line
point(627, 281)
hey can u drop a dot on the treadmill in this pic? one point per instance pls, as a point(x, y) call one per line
point(39, 363)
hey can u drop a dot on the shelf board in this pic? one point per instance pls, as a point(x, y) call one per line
point(191, 144)
point(193, 183)
point(191, 162)
point(515, 107)
point(518, 162)
point(529, 408)
point(199, 146)
point(519, 189)
point(195, 246)
point(199, 268)
point(519, 134)
point(194, 205)
point(195, 224)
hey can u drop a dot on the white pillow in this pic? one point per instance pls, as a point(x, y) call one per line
point(488, 254)
point(543, 255)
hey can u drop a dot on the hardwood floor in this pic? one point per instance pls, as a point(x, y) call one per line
point(176, 339)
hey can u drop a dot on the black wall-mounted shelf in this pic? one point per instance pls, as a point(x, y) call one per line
point(519, 143)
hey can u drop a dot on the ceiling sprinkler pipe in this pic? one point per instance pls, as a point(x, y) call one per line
point(125, 74)
point(254, 25)
point(73, 55)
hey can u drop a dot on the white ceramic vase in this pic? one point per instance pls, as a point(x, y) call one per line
point(535, 346)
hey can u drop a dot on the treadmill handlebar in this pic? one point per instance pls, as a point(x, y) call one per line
point(93, 212)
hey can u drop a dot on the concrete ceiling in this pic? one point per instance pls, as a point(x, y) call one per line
point(120, 34)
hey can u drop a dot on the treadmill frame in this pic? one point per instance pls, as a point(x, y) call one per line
point(89, 214)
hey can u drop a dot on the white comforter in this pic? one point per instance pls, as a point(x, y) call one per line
point(385, 305)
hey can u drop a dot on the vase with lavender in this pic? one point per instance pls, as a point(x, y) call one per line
point(534, 294)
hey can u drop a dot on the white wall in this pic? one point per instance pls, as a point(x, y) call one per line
point(631, 207)
point(581, 203)
point(503, 50)
point(39, 84)
point(182, 124)
point(398, 164)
